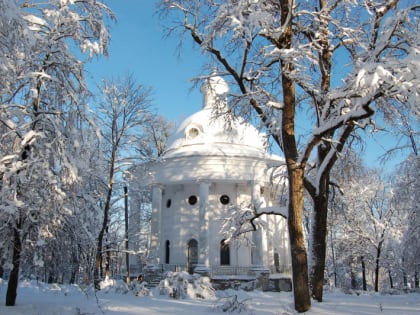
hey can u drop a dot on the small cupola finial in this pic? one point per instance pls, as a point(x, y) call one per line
point(215, 90)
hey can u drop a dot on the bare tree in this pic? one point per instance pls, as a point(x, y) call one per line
point(155, 138)
point(122, 112)
point(282, 57)
point(407, 194)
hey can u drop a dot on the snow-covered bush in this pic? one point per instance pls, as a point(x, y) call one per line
point(232, 304)
point(181, 285)
point(139, 288)
point(117, 286)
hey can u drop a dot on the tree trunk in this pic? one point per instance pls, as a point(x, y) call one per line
point(1, 269)
point(98, 261)
point(75, 266)
point(353, 280)
point(391, 283)
point(97, 273)
point(319, 244)
point(295, 170)
point(378, 255)
point(333, 258)
point(297, 242)
point(363, 273)
point(14, 274)
point(320, 198)
point(108, 263)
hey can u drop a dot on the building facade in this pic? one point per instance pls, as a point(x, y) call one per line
point(214, 172)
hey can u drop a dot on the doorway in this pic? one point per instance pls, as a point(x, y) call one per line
point(192, 255)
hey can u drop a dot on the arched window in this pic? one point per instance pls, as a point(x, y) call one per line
point(167, 251)
point(224, 253)
point(192, 255)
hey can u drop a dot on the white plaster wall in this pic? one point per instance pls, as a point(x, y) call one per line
point(215, 168)
point(180, 223)
point(218, 214)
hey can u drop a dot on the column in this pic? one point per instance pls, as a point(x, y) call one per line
point(156, 223)
point(260, 271)
point(257, 235)
point(203, 241)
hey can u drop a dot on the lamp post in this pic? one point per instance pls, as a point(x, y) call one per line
point(127, 255)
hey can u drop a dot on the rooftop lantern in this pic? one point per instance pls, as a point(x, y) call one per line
point(215, 90)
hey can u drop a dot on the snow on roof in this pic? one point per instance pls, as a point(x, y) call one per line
point(203, 133)
point(210, 131)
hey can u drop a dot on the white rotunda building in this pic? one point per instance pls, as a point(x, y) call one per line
point(212, 170)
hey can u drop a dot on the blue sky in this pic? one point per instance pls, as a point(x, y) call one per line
point(138, 46)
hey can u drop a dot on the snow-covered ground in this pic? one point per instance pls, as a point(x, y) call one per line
point(45, 299)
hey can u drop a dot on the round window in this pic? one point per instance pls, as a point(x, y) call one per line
point(224, 199)
point(193, 132)
point(168, 203)
point(192, 200)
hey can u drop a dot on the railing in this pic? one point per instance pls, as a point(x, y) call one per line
point(228, 270)
point(231, 270)
point(174, 268)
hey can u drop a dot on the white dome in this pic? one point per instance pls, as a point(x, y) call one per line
point(209, 132)
point(204, 133)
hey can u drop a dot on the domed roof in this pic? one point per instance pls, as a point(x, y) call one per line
point(210, 132)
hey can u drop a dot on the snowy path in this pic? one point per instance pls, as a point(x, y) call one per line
point(66, 300)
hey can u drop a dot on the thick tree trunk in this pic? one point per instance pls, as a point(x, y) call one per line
point(14, 274)
point(295, 170)
point(319, 245)
point(319, 230)
point(298, 251)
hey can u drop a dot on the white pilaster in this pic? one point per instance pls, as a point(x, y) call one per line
point(156, 222)
point(257, 235)
point(203, 244)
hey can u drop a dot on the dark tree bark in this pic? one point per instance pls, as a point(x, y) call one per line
point(14, 274)
point(362, 259)
point(353, 280)
point(378, 256)
point(319, 246)
point(391, 282)
point(297, 242)
point(295, 171)
point(108, 262)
